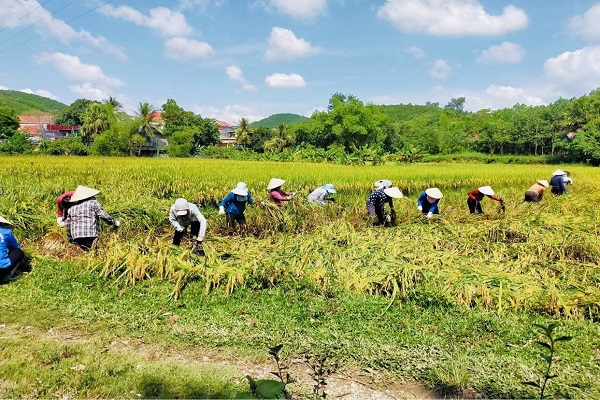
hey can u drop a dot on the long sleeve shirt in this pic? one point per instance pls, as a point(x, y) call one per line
point(377, 199)
point(180, 222)
point(426, 205)
point(8, 242)
point(278, 196)
point(83, 219)
point(59, 206)
point(558, 184)
point(476, 195)
point(319, 195)
point(236, 204)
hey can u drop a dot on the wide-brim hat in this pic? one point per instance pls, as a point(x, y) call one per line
point(330, 188)
point(382, 184)
point(434, 192)
point(543, 182)
point(487, 190)
point(559, 172)
point(181, 206)
point(6, 223)
point(82, 193)
point(275, 183)
point(393, 192)
point(240, 189)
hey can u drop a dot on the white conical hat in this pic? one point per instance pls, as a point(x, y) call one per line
point(382, 184)
point(240, 189)
point(434, 192)
point(487, 190)
point(543, 182)
point(275, 183)
point(82, 193)
point(6, 223)
point(559, 172)
point(393, 192)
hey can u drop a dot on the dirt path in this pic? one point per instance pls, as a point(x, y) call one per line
point(350, 384)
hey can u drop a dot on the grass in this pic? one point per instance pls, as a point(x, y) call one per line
point(448, 301)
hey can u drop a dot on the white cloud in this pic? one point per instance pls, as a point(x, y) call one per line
point(41, 92)
point(496, 97)
point(161, 19)
point(285, 81)
point(505, 53)
point(450, 17)
point(88, 91)
point(416, 52)
point(26, 13)
point(180, 48)
point(231, 114)
point(300, 9)
point(284, 45)
point(72, 68)
point(440, 69)
point(579, 69)
point(587, 25)
point(3, 88)
point(235, 74)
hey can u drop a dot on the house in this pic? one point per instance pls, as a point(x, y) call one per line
point(226, 134)
point(35, 125)
point(53, 132)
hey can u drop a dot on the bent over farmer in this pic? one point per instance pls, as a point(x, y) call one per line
point(234, 205)
point(376, 205)
point(183, 214)
point(475, 196)
point(11, 254)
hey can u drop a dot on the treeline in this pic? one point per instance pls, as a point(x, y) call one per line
point(348, 131)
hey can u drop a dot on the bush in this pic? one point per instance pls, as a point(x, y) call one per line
point(72, 146)
point(19, 143)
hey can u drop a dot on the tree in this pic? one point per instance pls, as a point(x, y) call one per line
point(456, 105)
point(201, 131)
point(114, 103)
point(72, 115)
point(19, 143)
point(9, 122)
point(97, 118)
point(243, 133)
point(144, 118)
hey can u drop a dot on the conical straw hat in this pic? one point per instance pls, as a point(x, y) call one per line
point(393, 192)
point(543, 182)
point(434, 192)
point(82, 193)
point(275, 183)
point(6, 223)
point(487, 190)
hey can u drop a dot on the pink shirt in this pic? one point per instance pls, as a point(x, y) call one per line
point(59, 206)
point(278, 196)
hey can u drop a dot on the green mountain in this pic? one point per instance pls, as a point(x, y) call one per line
point(279, 119)
point(31, 104)
point(406, 112)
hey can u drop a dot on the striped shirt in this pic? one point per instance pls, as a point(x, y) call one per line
point(83, 218)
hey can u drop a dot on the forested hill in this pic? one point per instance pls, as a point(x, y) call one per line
point(407, 112)
point(25, 103)
point(279, 119)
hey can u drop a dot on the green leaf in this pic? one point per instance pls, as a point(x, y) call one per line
point(532, 383)
point(252, 383)
point(563, 338)
point(546, 345)
point(244, 395)
point(269, 389)
point(275, 350)
point(547, 357)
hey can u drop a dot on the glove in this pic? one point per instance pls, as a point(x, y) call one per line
point(116, 224)
point(419, 208)
point(60, 222)
point(180, 229)
point(293, 194)
point(221, 210)
point(429, 214)
point(198, 250)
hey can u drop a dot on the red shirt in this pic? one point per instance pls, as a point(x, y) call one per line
point(59, 206)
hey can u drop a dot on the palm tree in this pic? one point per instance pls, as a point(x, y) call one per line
point(146, 128)
point(96, 119)
point(114, 103)
point(243, 133)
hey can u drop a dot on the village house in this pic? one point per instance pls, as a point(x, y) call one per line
point(226, 133)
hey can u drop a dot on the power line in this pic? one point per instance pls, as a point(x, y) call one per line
point(35, 9)
point(63, 23)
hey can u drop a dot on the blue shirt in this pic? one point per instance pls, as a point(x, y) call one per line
point(8, 242)
point(427, 206)
point(236, 204)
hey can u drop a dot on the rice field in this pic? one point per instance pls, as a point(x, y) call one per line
point(540, 258)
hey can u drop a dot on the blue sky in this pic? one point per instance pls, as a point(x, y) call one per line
point(233, 59)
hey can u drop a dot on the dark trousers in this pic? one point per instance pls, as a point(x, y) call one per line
point(532, 197)
point(474, 206)
point(233, 220)
point(85, 243)
point(194, 229)
point(15, 256)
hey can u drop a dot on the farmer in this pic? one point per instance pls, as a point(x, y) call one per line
point(382, 184)
point(84, 213)
point(558, 182)
point(11, 254)
point(234, 205)
point(62, 207)
point(475, 196)
point(322, 194)
point(428, 202)
point(536, 191)
point(567, 178)
point(183, 214)
point(376, 205)
point(276, 194)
